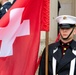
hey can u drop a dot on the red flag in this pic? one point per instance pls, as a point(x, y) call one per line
point(20, 36)
point(45, 15)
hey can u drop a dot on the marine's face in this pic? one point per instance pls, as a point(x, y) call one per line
point(0, 1)
point(65, 33)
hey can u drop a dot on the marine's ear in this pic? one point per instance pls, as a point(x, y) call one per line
point(75, 31)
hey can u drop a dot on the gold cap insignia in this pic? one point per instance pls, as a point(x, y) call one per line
point(64, 17)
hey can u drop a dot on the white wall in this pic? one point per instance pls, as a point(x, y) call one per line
point(66, 7)
point(53, 23)
point(11, 1)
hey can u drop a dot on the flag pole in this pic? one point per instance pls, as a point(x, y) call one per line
point(46, 53)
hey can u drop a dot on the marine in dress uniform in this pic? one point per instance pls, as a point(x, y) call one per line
point(4, 8)
point(62, 54)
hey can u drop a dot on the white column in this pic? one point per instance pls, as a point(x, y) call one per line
point(53, 23)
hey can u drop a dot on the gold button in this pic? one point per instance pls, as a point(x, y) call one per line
point(64, 48)
point(63, 53)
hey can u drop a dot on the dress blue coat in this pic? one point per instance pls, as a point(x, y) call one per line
point(58, 65)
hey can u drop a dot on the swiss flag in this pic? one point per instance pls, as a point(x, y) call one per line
point(20, 37)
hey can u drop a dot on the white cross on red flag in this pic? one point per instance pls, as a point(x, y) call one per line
point(20, 36)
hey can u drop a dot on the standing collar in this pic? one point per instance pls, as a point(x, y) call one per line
point(65, 44)
point(72, 44)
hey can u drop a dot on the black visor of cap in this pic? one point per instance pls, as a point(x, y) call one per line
point(66, 25)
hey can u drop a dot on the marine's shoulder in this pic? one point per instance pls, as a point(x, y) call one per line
point(7, 4)
point(53, 45)
point(73, 44)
